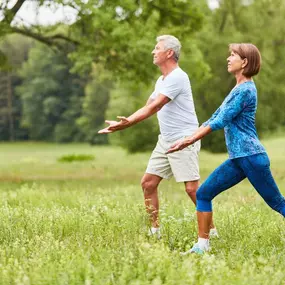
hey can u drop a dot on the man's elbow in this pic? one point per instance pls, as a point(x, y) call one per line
point(153, 109)
point(158, 108)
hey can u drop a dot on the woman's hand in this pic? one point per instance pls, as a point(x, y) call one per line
point(180, 145)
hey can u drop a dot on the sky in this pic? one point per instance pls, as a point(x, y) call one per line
point(29, 14)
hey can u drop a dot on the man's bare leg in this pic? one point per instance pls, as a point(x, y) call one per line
point(191, 188)
point(149, 185)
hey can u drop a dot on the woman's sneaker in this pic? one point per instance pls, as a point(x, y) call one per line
point(196, 249)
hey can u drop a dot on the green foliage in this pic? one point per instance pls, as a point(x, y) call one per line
point(95, 103)
point(110, 43)
point(126, 99)
point(75, 157)
point(140, 138)
point(3, 60)
point(13, 52)
point(120, 35)
point(51, 96)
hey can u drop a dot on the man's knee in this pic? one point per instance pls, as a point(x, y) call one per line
point(191, 187)
point(149, 185)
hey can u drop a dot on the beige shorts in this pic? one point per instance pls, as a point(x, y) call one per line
point(183, 164)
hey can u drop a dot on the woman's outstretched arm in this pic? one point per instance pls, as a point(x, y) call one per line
point(199, 134)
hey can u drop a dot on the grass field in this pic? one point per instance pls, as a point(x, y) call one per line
point(84, 222)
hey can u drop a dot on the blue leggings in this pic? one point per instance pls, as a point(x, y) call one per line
point(256, 168)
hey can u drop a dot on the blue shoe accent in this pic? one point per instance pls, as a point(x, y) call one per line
point(196, 249)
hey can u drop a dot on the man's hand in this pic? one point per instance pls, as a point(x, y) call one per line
point(180, 145)
point(115, 125)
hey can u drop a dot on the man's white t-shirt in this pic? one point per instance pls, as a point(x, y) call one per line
point(178, 117)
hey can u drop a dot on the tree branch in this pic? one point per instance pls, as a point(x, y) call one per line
point(46, 40)
point(223, 23)
point(62, 37)
point(17, 7)
point(10, 13)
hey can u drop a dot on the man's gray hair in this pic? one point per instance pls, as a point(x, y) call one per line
point(170, 42)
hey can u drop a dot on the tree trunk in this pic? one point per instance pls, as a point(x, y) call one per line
point(10, 108)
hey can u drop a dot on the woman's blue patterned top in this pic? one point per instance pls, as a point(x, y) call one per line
point(237, 116)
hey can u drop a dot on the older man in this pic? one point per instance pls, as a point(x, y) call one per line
point(172, 100)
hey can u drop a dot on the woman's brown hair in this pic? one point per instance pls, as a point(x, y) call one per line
point(252, 54)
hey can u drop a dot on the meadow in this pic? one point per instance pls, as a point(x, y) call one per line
point(83, 222)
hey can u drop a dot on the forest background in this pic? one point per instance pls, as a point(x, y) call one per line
point(59, 82)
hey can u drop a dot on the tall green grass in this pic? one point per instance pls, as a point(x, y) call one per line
point(84, 222)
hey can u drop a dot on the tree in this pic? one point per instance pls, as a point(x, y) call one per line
point(37, 32)
point(126, 98)
point(95, 103)
point(51, 96)
point(6, 106)
point(116, 34)
point(14, 50)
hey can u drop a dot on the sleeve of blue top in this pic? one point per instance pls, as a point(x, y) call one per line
point(215, 114)
point(230, 109)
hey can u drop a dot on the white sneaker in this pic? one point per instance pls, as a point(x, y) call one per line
point(196, 249)
point(213, 233)
point(154, 232)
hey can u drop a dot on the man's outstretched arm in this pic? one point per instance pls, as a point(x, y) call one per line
point(148, 110)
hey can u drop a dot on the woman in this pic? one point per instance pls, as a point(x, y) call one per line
point(247, 156)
